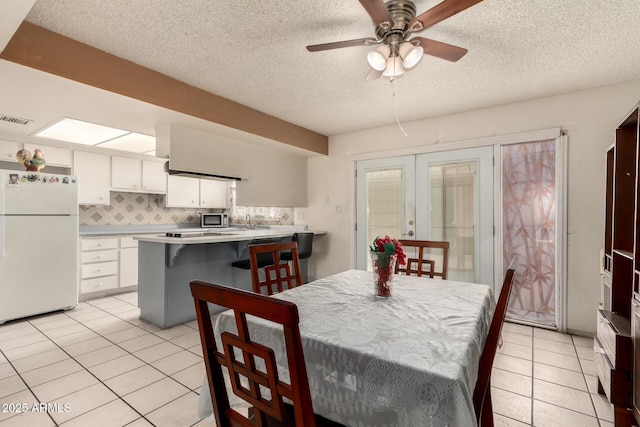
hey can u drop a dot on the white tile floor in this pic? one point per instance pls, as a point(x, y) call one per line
point(104, 366)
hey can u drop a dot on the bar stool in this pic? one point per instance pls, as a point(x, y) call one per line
point(244, 264)
point(305, 247)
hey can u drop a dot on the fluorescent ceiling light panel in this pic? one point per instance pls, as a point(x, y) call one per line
point(80, 132)
point(134, 142)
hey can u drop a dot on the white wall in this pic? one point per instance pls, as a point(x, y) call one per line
point(589, 117)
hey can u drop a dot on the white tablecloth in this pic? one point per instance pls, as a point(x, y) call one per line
point(409, 360)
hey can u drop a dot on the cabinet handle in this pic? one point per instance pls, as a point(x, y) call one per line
point(635, 303)
point(598, 350)
point(605, 320)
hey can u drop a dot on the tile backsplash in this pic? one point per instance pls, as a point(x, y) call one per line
point(149, 209)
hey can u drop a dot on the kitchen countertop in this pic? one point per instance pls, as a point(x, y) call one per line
point(220, 235)
point(106, 230)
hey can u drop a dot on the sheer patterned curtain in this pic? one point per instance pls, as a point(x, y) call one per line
point(529, 227)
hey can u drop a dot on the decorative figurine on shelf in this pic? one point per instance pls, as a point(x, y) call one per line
point(33, 163)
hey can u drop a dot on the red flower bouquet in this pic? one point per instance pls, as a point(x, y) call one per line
point(385, 252)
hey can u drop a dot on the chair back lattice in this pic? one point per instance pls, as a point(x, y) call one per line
point(421, 265)
point(281, 274)
point(252, 366)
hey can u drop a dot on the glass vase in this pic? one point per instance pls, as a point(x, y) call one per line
point(383, 271)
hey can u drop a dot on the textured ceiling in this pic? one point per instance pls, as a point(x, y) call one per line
point(253, 52)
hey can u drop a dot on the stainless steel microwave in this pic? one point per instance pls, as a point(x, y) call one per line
point(214, 220)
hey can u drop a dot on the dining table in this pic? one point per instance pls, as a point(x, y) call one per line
point(408, 360)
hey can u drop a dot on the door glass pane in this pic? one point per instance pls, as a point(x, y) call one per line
point(453, 205)
point(529, 227)
point(385, 204)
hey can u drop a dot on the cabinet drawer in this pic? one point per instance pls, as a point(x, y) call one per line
point(617, 384)
point(98, 256)
point(98, 284)
point(128, 242)
point(603, 367)
point(99, 243)
point(99, 269)
point(614, 335)
point(607, 337)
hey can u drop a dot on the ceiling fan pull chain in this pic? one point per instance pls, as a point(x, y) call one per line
point(395, 104)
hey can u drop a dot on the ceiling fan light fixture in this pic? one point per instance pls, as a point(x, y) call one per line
point(411, 54)
point(377, 59)
point(394, 67)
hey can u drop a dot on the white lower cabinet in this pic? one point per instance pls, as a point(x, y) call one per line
point(108, 265)
point(128, 262)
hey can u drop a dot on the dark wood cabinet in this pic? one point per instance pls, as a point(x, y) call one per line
point(635, 331)
point(617, 350)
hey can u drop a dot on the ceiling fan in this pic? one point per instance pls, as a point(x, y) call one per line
point(395, 21)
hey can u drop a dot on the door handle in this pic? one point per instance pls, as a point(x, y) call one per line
point(410, 234)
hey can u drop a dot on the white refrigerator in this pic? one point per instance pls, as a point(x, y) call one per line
point(38, 243)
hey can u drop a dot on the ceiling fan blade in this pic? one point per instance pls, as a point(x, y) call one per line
point(378, 12)
point(373, 74)
point(439, 13)
point(439, 49)
point(345, 43)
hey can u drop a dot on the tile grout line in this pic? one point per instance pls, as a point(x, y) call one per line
point(118, 397)
point(595, 411)
point(533, 364)
point(28, 388)
point(144, 361)
point(35, 326)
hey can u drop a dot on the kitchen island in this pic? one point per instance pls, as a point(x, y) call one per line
point(167, 264)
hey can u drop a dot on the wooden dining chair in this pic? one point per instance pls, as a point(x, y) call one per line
point(425, 266)
point(482, 392)
point(281, 274)
point(247, 381)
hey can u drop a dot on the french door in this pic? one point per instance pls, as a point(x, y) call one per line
point(454, 203)
point(437, 196)
point(385, 202)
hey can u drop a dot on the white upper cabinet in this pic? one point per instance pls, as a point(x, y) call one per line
point(183, 192)
point(213, 194)
point(126, 173)
point(8, 150)
point(153, 177)
point(54, 156)
point(137, 176)
point(94, 177)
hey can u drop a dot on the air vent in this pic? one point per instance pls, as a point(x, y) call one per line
point(14, 120)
